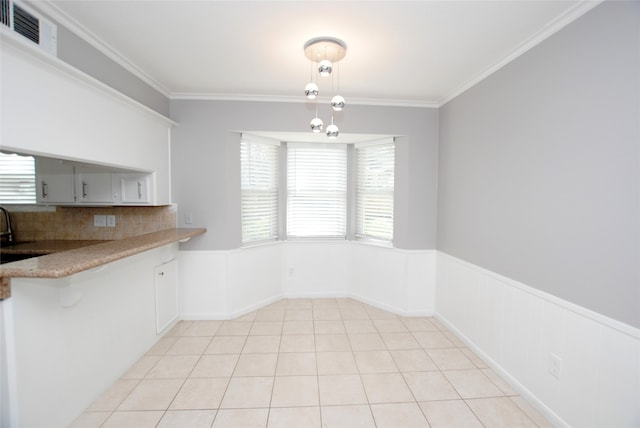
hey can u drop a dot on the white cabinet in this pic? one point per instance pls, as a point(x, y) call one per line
point(134, 189)
point(94, 185)
point(88, 342)
point(73, 183)
point(54, 181)
point(54, 110)
point(166, 283)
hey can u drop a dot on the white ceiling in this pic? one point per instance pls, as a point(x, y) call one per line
point(398, 52)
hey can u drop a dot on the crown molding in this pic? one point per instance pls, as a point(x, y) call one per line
point(300, 99)
point(551, 28)
point(62, 18)
point(75, 27)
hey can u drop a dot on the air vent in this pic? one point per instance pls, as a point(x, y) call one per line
point(29, 25)
point(5, 16)
point(26, 24)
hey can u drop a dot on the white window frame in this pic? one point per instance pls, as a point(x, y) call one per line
point(300, 192)
point(374, 191)
point(260, 189)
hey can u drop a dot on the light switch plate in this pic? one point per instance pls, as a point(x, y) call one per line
point(111, 221)
point(100, 220)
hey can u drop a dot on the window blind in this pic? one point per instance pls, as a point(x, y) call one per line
point(259, 164)
point(316, 190)
point(17, 179)
point(374, 191)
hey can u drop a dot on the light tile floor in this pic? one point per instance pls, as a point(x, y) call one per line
point(310, 363)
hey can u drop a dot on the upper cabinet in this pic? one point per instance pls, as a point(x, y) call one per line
point(61, 182)
point(55, 182)
point(49, 108)
point(94, 186)
point(134, 188)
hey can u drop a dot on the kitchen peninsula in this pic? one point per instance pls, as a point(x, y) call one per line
point(76, 320)
point(59, 264)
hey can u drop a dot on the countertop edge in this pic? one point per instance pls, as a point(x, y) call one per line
point(66, 263)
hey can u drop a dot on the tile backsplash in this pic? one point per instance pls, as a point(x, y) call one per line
point(77, 222)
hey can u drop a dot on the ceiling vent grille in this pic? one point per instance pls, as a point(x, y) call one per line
point(29, 25)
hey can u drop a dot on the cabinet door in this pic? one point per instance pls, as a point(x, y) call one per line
point(54, 181)
point(166, 281)
point(134, 188)
point(94, 186)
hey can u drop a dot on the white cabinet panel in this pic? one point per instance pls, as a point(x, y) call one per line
point(166, 282)
point(54, 181)
point(94, 186)
point(134, 188)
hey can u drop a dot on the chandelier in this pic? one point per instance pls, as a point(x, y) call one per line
point(324, 52)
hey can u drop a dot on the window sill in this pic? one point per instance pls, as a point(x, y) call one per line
point(373, 243)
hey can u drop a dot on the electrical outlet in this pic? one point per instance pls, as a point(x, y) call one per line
point(111, 221)
point(188, 218)
point(100, 220)
point(292, 271)
point(555, 365)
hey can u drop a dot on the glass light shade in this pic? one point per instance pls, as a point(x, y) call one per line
point(332, 131)
point(316, 124)
point(325, 67)
point(311, 90)
point(337, 102)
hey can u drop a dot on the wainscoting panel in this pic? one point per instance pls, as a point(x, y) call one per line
point(379, 277)
point(519, 330)
point(203, 285)
point(316, 269)
point(225, 284)
point(254, 278)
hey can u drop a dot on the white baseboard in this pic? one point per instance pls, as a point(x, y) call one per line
point(547, 412)
point(394, 310)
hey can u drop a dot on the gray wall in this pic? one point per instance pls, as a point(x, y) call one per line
point(75, 51)
point(206, 162)
point(539, 169)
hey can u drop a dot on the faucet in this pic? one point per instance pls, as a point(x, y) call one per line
point(7, 233)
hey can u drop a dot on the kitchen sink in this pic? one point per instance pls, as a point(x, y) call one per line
point(12, 257)
point(6, 244)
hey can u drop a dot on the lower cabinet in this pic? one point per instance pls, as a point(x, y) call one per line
point(69, 339)
point(166, 283)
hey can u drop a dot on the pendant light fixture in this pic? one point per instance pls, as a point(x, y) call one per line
point(316, 122)
point(332, 130)
point(324, 52)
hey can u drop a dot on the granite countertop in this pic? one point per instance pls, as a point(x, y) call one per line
point(64, 258)
point(47, 247)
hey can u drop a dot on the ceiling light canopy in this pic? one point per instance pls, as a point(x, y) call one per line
point(325, 52)
point(325, 48)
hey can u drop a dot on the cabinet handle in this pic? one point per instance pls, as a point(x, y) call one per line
point(45, 190)
point(161, 273)
point(139, 190)
point(85, 193)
